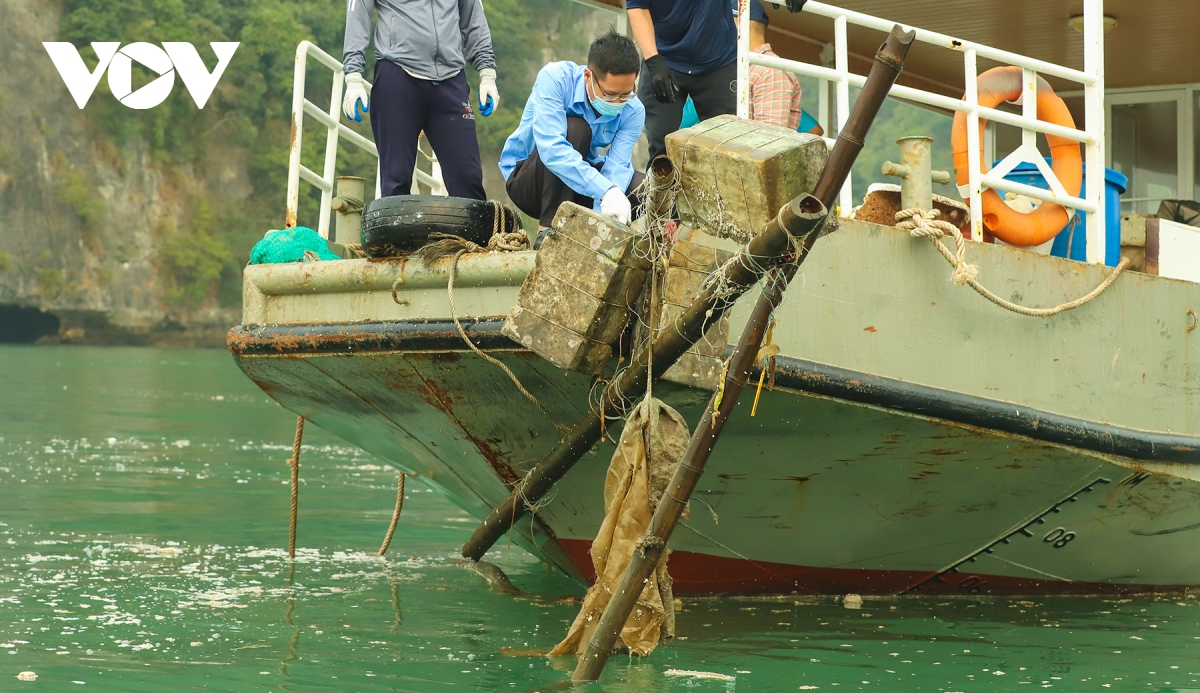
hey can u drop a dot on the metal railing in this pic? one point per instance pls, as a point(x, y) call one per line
point(335, 131)
point(1092, 136)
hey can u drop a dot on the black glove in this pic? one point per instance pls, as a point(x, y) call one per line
point(660, 79)
point(795, 5)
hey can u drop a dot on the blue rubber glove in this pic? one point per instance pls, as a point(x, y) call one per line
point(489, 96)
point(356, 97)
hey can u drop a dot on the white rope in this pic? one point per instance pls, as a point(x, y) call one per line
point(925, 224)
point(660, 190)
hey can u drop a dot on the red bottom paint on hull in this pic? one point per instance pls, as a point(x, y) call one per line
point(699, 574)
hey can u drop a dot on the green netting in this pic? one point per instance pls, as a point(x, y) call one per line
point(288, 245)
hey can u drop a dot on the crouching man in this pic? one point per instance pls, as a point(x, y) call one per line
point(572, 114)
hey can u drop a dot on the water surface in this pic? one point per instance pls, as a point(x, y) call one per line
point(143, 526)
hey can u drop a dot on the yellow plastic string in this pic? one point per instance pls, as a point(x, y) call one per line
point(764, 354)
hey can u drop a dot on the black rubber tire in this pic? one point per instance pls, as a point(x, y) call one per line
point(400, 224)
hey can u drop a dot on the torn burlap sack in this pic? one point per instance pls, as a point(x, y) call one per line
point(653, 442)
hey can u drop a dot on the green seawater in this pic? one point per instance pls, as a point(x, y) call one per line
point(143, 526)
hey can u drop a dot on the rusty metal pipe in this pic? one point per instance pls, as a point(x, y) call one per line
point(889, 60)
point(658, 187)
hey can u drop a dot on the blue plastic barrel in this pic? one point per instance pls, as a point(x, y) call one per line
point(690, 117)
point(1074, 236)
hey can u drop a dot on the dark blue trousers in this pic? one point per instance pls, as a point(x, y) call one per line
point(401, 107)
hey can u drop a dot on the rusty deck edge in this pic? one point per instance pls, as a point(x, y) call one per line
point(793, 374)
point(406, 335)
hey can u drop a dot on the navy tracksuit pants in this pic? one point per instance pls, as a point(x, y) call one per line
point(401, 107)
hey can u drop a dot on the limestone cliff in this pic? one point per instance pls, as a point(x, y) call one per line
point(81, 219)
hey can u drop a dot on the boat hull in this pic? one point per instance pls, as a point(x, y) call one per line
point(822, 492)
point(920, 439)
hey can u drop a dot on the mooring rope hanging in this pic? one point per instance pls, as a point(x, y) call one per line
point(294, 463)
point(387, 540)
point(511, 240)
point(925, 224)
point(488, 357)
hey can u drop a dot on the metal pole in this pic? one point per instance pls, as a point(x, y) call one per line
point(351, 198)
point(842, 65)
point(915, 173)
point(974, 172)
point(435, 172)
point(810, 212)
point(331, 148)
point(824, 96)
point(1093, 96)
point(743, 60)
point(293, 179)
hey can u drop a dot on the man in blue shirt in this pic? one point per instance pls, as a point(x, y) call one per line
point(690, 47)
point(574, 112)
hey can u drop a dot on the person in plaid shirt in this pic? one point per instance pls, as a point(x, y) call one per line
point(774, 94)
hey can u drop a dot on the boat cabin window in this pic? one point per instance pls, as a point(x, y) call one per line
point(1154, 138)
point(1144, 146)
point(1194, 102)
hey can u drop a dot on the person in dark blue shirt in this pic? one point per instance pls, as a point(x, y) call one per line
point(690, 49)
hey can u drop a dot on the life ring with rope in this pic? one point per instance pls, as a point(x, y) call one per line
point(1001, 84)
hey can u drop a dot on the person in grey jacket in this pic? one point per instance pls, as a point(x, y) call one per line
point(421, 47)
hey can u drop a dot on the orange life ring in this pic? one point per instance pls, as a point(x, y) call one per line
point(1035, 228)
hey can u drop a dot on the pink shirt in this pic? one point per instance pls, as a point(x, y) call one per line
point(774, 94)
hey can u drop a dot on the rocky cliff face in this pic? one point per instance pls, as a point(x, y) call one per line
point(82, 219)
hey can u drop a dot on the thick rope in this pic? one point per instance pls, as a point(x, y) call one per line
point(294, 463)
point(387, 540)
point(351, 204)
point(925, 224)
point(514, 238)
point(508, 235)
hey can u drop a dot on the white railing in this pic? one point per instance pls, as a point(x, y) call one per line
point(1092, 136)
point(335, 130)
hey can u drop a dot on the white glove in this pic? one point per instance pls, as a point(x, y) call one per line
point(487, 90)
point(616, 205)
point(356, 97)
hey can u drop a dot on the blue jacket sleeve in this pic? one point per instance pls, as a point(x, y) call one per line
point(549, 126)
point(358, 35)
point(618, 164)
